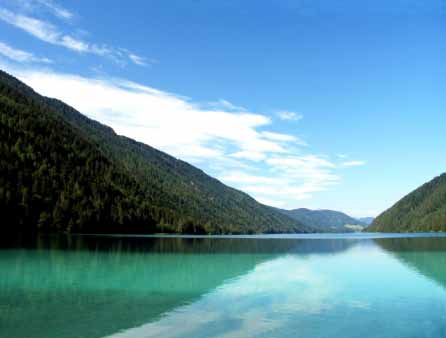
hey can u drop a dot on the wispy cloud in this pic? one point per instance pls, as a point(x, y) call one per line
point(39, 29)
point(287, 179)
point(290, 116)
point(20, 55)
point(44, 31)
point(283, 138)
point(50, 33)
point(138, 60)
point(43, 7)
point(56, 9)
point(252, 155)
point(353, 163)
point(226, 105)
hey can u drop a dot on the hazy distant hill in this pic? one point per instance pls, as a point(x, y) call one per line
point(60, 170)
point(422, 210)
point(325, 220)
point(366, 220)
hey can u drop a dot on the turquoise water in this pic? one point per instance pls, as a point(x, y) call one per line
point(330, 286)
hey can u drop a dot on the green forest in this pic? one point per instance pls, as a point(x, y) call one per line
point(423, 210)
point(61, 171)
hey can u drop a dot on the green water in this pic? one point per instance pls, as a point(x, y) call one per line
point(268, 286)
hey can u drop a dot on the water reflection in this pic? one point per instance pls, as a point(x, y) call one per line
point(88, 286)
point(255, 304)
point(427, 256)
point(67, 285)
point(357, 292)
point(184, 245)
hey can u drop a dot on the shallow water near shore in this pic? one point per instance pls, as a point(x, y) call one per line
point(366, 285)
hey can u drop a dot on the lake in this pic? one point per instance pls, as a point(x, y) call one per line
point(309, 286)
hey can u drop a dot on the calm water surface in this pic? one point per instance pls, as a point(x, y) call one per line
point(263, 286)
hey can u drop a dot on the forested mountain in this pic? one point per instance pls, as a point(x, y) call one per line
point(325, 220)
point(61, 171)
point(423, 210)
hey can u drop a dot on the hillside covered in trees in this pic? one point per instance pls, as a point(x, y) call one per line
point(61, 171)
point(325, 220)
point(423, 210)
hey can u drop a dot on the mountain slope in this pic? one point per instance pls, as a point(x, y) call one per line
point(422, 210)
point(324, 220)
point(60, 170)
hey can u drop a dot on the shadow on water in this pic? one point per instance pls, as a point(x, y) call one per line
point(426, 256)
point(182, 245)
point(91, 286)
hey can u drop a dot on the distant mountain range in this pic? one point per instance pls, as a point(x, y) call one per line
point(366, 220)
point(61, 171)
point(423, 210)
point(326, 220)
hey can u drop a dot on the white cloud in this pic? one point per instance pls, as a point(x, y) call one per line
point(287, 179)
point(20, 55)
point(158, 118)
point(282, 137)
point(249, 155)
point(138, 60)
point(288, 115)
point(49, 33)
point(56, 9)
point(77, 45)
point(353, 163)
point(248, 179)
point(236, 147)
point(39, 29)
point(42, 30)
point(47, 6)
point(226, 105)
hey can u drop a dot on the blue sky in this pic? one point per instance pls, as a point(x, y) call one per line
point(319, 104)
